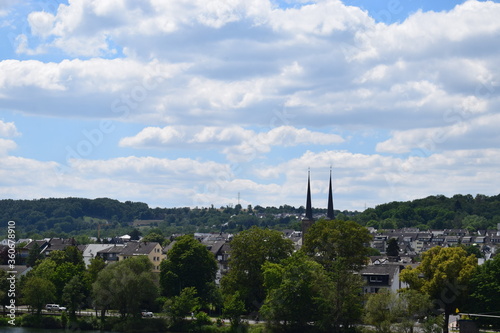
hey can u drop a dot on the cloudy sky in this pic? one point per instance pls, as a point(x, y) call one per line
point(192, 103)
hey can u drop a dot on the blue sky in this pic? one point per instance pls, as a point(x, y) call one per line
point(188, 103)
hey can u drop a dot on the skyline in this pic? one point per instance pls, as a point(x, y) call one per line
point(182, 103)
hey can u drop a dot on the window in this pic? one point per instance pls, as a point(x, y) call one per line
point(375, 278)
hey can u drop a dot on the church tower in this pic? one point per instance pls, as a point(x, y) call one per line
point(329, 213)
point(308, 220)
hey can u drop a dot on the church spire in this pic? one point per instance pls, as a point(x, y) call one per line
point(309, 214)
point(330, 214)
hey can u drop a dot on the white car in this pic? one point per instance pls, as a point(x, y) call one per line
point(52, 307)
point(147, 314)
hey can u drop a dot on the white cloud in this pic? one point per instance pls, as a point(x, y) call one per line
point(41, 23)
point(5, 6)
point(479, 132)
point(246, 78)
point(376, 179)
point(238, 143)
point(238, 61)
point(6, 145)
point(8, 129)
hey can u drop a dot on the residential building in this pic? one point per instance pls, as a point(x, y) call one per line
point(378, 277)
point(152, 250)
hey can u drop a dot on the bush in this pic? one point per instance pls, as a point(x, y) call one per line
point(4, 321)
point(203, 319)
point(31, 320)
point(133, 325)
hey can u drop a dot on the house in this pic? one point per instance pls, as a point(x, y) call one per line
point(383, 276)
point(90, 251)
point(152, 250)
point(20, 270)
point(59, 244)
point(110, 254)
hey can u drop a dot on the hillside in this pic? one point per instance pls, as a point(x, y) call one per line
point(63, 217)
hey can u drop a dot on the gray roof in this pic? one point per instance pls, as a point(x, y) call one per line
point(115, 248)
point(139, 248)
point(388, 269)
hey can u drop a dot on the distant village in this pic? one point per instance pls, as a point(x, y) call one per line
point(382, 271)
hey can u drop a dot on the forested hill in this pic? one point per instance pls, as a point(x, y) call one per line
point(436, 212)
point(77, 216)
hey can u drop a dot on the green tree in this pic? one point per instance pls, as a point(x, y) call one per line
point(474, 223)
point(96, 265)
point(74, 295)
point(127, 286)
point(37, 292)
point(185, 304)
point(444, 275)
point(392, 248)
point(296, 292)
point(485, 290)
point(381, 311)
point(135, 234)
point(389, 311)
point(413, 305)
point(233, 309)
point(188, 264)
point(34, 255)
point(341, 248)
point(4, 288)
point(344, 308)
point(335, 241)
point(154, 237)
point(250, 249)
point(60, 268)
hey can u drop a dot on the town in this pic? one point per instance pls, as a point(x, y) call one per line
point(237, 280)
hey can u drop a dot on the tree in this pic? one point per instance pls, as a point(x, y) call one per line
point(341, 248)
point(296, 292)
point(381, 311)
point(329, 241)
point(392, 248)
point(97, 264)
point(250, 249)
point(389, 311)
point(344, 308)
point(73, 295)
point(485, 290)
point(188, 264)
point(4, 288)
point(444, 275)
point(60, 268)
point(34, 255)
point(233, 308)
point(37, 292)
point(135, 234)
point(186, 303)
point(127, 286)
point(413, 305)
point(154, 237)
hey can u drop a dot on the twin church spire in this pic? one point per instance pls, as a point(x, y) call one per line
point(330, 215)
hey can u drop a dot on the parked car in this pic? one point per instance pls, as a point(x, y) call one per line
point(147, 314)
point(54, 307)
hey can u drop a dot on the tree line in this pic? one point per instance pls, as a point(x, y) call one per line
point(315, 289)
point(70, 217)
